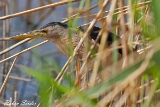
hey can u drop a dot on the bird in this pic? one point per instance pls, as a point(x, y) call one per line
point(60, 33)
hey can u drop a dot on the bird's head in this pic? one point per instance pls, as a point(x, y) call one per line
point(50, 31)
point(53, 31)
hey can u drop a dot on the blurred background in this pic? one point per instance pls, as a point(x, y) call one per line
point(47, 54)
point(35, 70)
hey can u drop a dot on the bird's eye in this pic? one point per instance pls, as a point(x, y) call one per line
point(44, 31)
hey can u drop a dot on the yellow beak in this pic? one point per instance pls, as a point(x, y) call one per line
point(32, 35)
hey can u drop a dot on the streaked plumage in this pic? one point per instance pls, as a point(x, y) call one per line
point(59, 33)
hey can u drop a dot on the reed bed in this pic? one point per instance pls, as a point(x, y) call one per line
point(131, 81)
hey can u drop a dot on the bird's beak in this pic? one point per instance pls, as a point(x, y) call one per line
point(32, 35)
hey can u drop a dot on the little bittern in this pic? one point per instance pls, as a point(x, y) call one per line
point(59, 34)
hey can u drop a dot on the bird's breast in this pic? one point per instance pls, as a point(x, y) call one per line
point(67, 46)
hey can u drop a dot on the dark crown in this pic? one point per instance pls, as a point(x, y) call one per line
point(55, 23)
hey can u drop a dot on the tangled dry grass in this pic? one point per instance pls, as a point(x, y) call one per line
point(132, 81)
